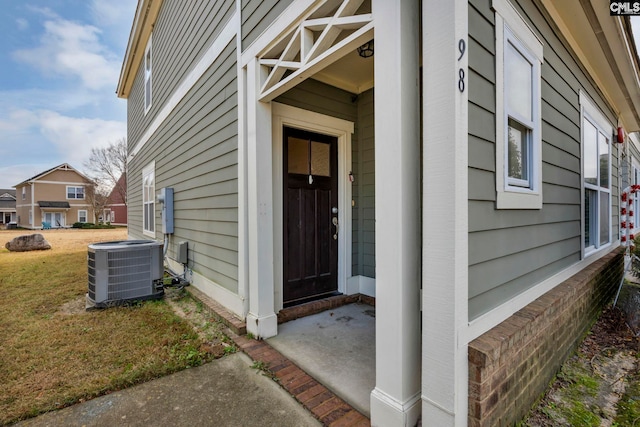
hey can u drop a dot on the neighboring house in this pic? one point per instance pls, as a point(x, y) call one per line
point(55, 198)
point(7, 206)
point(115, 211)
point(466, 175)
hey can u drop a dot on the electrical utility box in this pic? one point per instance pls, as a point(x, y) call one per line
point(182, 255)
point(166, 199)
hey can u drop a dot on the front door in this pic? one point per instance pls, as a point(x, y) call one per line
point(310, 215)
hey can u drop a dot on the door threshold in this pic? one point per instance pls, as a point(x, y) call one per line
point(319, 305)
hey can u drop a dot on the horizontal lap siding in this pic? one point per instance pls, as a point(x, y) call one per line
point(257, 15)
point(512, 250)
point(181, 35)
point(366, 201)
point(195, 148)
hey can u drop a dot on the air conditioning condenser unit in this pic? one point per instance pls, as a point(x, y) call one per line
point(123, 271)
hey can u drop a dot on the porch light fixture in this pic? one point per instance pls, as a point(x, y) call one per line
point(366, 50)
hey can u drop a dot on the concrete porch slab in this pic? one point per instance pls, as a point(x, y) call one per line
point(337, 347)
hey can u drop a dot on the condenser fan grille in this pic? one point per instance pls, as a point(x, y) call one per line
point(123, 271)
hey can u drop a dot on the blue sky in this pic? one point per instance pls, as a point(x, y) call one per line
point(59, 66)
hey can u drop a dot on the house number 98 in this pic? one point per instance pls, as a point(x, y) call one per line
point(462, 47)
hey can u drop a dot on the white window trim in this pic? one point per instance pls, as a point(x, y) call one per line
point(589, 109)
point(75, 192)
point(510, 196)
point(148, 77)
point(86, 215)
point(24, 193)
point(150, 168)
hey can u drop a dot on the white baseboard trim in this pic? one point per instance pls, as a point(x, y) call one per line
point(361, 285)
point(387, 411)
point(228, 299)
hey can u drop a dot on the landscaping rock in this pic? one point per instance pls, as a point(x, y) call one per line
point(33, 242)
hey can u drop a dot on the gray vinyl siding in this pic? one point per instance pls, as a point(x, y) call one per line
point(318, 97)
point(257, 15)
point(512, 250)
point(195, 153)
point(181, 35)
point(365, 203)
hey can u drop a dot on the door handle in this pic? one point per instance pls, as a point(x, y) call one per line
point(335, 222)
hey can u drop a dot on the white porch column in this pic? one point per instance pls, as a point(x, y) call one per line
point(395, 401)
point(261, 319)
point(445, 212)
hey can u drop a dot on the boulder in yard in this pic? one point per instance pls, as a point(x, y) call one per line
point(32, 242)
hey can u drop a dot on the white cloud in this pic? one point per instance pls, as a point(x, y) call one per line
point(15, 174)
point(22, 24)
point(68, 48)
point(74, 137)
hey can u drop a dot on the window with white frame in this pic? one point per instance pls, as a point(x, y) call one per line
point(148, 199)
point(75, 192)
point(82, 216)
point(30, 216)
point(148, 56)
point(596, 172)
point(24, 193)
point(519, 55)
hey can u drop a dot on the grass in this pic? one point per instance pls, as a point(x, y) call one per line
point(54, 353)
point(629, 405)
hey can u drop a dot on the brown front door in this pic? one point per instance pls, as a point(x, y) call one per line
point(310, 215)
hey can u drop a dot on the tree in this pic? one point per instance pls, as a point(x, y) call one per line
point(97, 199)
point(106, 165)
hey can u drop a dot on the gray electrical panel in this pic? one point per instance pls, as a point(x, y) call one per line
point(166, 199)
point(182, 255)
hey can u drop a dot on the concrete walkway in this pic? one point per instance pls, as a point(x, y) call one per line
point(224, 392)
point(337, 348)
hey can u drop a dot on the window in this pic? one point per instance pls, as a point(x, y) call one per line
point(30, 216)
point(75, 192)
point(148, 199)
point(519, 56)
point(82, 216)
point(24, 193)
point(147, 76)
point(596, 172)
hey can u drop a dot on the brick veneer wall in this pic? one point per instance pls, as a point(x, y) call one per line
point(511, 365)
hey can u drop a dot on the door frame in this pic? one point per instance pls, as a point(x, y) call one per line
point(285, 115)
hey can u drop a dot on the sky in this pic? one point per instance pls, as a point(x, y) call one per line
point(59, 66)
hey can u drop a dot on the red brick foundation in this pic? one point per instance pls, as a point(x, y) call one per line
point(511, 365)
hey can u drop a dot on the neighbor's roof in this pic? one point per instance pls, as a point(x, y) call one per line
point(58, 205)
point(64, 166)
point(7, 194)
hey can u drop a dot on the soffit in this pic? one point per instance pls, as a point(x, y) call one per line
point(603, 44)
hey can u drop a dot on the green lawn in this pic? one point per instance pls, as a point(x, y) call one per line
point(54, 353)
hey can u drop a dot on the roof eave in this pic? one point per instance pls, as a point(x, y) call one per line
point(145, 18)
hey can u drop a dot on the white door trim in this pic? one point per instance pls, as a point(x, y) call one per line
point(285, 115)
